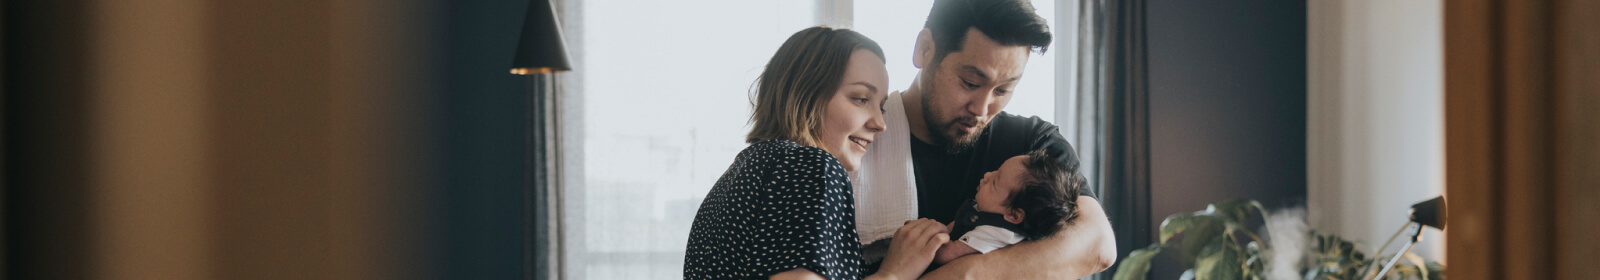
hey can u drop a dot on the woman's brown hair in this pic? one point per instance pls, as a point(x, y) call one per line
point(799, 81)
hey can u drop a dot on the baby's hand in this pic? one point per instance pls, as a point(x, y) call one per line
point(950, 251)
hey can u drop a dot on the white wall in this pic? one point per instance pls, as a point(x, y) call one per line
point(1375, 116)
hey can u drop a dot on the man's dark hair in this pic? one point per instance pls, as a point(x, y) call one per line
point(1048, 197)
point(1008, 22)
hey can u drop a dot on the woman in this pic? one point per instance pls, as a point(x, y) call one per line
point(785, 209)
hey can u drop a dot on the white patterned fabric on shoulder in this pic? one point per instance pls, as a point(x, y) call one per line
point(779, 207)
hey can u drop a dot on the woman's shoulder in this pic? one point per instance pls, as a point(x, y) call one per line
point(785, 153)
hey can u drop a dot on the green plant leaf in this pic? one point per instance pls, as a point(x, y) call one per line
point(1218, 261)
point(1419, 264)
point(1435, 271)
point(1405, 271)
point(1238, 209)
point(1205, 230)
point(1137, 265)
point(1211, 249)
point(1314, 274)
point(1178, 223)
point(1336, 258)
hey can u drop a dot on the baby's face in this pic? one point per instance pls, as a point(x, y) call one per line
point(997, 186)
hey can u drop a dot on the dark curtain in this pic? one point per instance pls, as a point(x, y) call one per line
point(1113, 117)
point(544, 158)
point(539, 249)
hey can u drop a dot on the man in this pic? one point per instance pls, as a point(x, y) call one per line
point(971, 54)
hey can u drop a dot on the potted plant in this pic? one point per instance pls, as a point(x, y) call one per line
point(1214, 244)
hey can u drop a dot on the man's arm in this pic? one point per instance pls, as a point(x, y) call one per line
point(1084, 247)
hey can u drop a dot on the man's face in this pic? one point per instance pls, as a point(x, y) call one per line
point(969, 87)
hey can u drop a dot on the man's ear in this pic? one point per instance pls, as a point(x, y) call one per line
point(922, 55)
point(1016, 215)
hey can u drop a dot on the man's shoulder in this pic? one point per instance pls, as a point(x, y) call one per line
point(1015, 135)
point(1011, 125)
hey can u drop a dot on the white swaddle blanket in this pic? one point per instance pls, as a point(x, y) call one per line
point(885, 185)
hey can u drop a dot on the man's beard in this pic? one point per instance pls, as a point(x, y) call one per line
point(945, 133)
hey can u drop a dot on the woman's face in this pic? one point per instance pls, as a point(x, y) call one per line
point(854, 116)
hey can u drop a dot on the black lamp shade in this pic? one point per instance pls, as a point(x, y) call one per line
point(1429, 213)
point(542, 49)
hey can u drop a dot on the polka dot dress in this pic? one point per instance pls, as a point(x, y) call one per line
point(779, 207)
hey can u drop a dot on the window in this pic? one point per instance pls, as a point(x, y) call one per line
point(665, 108)
point(665, 88)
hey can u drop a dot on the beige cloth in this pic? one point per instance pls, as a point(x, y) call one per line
point(885, 184)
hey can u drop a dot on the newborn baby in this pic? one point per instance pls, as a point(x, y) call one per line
point(1026, 199)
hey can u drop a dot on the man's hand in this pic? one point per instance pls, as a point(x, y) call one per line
point(1084, 247)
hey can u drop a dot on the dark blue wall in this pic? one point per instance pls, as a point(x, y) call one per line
point(483, 159)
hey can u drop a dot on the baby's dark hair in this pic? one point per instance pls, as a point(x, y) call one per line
point(1048, 196)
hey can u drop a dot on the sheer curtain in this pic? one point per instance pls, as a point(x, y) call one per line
point(658, 105)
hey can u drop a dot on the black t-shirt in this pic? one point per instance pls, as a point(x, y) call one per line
point(945, 180)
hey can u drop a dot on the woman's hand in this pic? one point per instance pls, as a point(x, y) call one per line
point(913, 247)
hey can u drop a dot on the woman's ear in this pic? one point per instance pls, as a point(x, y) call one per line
point(1016, 215)
point(923, 53)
